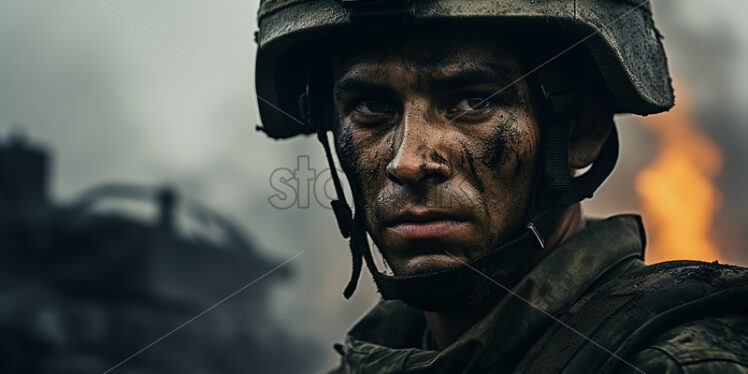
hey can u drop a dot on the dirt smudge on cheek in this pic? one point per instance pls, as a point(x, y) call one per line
point(349, 162)
point(469, 161)
point(363, 164)
point(468, 158)
point(371, 174)
point(507, 153)
point(344, 145)
point(509, 145)
point(494, 153)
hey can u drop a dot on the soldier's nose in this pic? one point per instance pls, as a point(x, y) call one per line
point(417, 158)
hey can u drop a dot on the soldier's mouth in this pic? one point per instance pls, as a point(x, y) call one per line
point(426, 224)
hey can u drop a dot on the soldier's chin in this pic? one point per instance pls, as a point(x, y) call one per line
point(425, 263)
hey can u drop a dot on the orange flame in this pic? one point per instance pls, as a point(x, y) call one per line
point(677, 192)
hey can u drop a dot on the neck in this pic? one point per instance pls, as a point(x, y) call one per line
point(446, 327)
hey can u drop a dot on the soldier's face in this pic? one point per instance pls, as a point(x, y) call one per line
point(439, 146)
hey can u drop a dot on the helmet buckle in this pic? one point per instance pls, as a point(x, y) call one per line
point(534, 230)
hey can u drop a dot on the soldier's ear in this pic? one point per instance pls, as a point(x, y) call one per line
point(590, 129)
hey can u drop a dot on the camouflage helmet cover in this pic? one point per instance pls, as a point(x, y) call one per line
point(619, 34)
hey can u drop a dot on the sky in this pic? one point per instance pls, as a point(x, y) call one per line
point(161, 93)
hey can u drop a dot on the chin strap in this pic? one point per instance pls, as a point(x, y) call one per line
point(340, 205)
point(458, 286)
point(346, 223)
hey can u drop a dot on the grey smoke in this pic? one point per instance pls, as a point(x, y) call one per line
point(117, 103)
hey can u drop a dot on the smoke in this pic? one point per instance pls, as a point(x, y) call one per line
point(706, 47)
point(118, 103)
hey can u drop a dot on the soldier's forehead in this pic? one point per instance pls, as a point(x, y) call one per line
point(426, 54)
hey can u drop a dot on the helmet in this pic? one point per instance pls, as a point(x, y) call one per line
point(621, 41)
point(619, 34)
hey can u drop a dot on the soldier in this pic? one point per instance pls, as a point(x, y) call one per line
point(465, 129)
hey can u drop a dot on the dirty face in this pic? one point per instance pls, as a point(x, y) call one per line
point(440, 153)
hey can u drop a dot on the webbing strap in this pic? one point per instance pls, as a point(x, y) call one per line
point(340, 206)
point(558, 106)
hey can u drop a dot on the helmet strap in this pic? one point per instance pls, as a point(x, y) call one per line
point(340, 205)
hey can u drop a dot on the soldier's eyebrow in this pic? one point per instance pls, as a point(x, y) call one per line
point(357, 84)
point(478, 75)
point(475, 75)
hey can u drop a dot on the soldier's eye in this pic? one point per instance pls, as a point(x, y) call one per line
point(373, 107)
point(473, 108)
point(372, 112)
point(471, 104)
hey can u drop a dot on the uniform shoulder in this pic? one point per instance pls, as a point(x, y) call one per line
point(648, 315)
point(709, 345)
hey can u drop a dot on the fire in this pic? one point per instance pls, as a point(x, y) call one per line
point(677, 192)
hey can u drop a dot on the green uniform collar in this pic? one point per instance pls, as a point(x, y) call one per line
point(384, 340)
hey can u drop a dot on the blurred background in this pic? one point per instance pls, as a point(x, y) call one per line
point(158, 202)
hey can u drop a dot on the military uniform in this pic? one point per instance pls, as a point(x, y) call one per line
point(393, 337)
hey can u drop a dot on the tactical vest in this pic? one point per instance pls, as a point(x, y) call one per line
point(608, 325)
